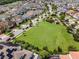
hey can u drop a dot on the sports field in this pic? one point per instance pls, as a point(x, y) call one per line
point(50, 35)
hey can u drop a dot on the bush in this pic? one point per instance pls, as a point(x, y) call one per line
point(45, 48)
point(44, 54)
point(55, 51)
point(62, 16)
point(11, 34)
point(36, 48)
point(59, 50)
point(50, 20)
point(72, 48)
point(30, 48)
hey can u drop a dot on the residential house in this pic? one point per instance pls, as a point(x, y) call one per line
point(71, 12)
point(3, 9)
point(11, 24)
point(17, 32)
point(3, 26)
point(4, 38)
point(7, 50)
point(71, 55)
point(17, 19)
point(29, 6)
point(3, 17)
point(76, 15)
point(30, 14)
point(25, 54)
point(14, 51)
point(64, 56)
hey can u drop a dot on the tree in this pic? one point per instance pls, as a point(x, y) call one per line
point(46, 7)
point(62, 16)
point(44, 54)
point(45, 48)
point(11, 34)
point(59, 50)
point(54, 7)
point(31, 23)
point(26, 45)
point(72, 48)
point(30, 48)
point(36, 48)
point(76, 35)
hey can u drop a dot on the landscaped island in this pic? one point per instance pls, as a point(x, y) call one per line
point(50, 35)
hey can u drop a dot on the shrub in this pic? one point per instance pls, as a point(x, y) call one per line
point(45, 48)
point(44, 54)
point(72, 48)
point(59, 50)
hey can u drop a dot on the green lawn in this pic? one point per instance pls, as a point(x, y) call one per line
point(50, 35)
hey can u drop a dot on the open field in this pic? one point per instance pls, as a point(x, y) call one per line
point(50, 35)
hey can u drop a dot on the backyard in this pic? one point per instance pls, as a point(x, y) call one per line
point(50, 35)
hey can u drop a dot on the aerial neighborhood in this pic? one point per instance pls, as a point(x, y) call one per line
point(39, 29)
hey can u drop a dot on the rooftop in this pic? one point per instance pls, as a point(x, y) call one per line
point(74, 55)
point(4, 37)
point(71, 55)
point(18, 54)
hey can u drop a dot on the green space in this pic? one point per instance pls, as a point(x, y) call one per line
point(50, 35)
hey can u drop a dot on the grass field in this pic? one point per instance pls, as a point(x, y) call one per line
point(50, 35)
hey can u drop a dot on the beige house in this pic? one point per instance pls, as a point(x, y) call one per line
point(3, 26)
point(17, 19)
point(23, 54)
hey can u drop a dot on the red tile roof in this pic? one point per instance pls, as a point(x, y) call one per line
point(74, 55)
point(64, 56)
point(71, 55)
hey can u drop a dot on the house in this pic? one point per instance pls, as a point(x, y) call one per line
point(17, 19)
point(36, 56)
point(24, 26)
point(71, 12)
point(4, 38)
point(76, 15)
point(7, 50)
point(27, 15)
point(17, 32)
point(3, 26)
point(11, 24)
point(23, 54)
point(14, 51)
point(74, 55)
point(54, 56)
point(3, 17)
point(30, 14)
point(6, 24)
point(9, 46)
point(71, 55)
point(64, 56)
point(3, 9)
